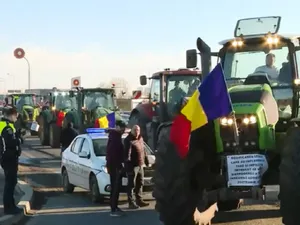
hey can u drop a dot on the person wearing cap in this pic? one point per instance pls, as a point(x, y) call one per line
point(10, 151)
point(269, 68)
point(114, 164)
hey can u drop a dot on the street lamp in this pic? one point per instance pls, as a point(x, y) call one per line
point(19, 53)
point(13, 77)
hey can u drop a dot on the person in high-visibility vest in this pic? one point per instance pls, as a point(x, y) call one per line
point(9, 155)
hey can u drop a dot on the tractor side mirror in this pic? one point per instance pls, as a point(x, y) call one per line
point(191, 58)
point(143, 80)
point(71, 94)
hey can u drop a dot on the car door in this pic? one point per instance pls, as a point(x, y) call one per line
point(73, 162)
point(85, 163)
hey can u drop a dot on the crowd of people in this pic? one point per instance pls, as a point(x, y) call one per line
point(124, 159)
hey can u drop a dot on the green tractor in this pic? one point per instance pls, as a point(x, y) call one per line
point(92, 104)
point(235, 157)
point(51, 117)
point(26, 107)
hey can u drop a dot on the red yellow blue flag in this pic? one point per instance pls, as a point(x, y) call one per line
point(209, 102)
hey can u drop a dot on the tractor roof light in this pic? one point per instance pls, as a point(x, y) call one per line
point(272, 40)
point(237, 43)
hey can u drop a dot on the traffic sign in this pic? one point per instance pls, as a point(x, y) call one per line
point(19, 53)
point(75, 82)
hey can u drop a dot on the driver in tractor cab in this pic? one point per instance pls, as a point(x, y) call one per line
point(269, 68)
point(176, 94)
point(285, 73)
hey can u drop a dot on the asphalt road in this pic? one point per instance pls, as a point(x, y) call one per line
point(52, 206)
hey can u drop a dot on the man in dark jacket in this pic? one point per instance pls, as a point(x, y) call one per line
point(114, 161)
point(10, 151)
point(68, 134)
point(135, 155)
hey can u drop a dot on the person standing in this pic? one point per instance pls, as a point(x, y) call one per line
point(10, 151)
point(68, 134)
point(134, 162)
point(114, 161)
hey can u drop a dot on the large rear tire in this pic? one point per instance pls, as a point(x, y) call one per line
point(289, 180)
point(43, 130)
point(177, 197)
point(54, 137)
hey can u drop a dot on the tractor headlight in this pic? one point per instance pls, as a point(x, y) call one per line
point(249, 120)
point(226, 121)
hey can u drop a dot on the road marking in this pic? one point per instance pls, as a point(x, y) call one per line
point(28, 154)
point(64, 210)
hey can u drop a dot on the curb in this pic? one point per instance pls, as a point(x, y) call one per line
point(25, 203)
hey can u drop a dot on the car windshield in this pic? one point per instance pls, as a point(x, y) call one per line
point(100, 147)
point(255, 60)
point(104, 99)
point(64, 101)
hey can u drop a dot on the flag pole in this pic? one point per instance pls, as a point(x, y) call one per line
point(236, 133)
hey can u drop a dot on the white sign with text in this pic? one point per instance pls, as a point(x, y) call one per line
point(246, 169)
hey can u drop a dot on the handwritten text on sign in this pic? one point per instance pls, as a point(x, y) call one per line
point(246, 170)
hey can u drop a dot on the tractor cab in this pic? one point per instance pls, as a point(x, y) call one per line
point(259, 55)
point(169, 91)
point(62, 101)
point(94, 103)
point(26, 107)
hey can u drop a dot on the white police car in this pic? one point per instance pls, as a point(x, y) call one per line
point(84, 165)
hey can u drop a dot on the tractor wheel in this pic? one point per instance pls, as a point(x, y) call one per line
point(54, 137)
point(177, 197)
point(289, 178)
point(43, 130)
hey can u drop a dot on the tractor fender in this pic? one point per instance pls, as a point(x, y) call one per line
point(144, 110)
point(162, 125)
point(48, 116)
point(72, 116)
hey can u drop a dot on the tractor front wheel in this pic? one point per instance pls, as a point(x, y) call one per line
point(177, 196)
point(289, 178)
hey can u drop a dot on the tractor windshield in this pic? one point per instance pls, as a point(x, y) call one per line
point(25, 100)
point(259, 59)
point(63, 101)
point(179, 87)
point(103, 99)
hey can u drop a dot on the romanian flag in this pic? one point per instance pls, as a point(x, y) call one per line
point(108, 121)
point(209, 102)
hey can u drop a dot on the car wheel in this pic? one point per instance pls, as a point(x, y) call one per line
point(67, 186)
point(94, 190)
